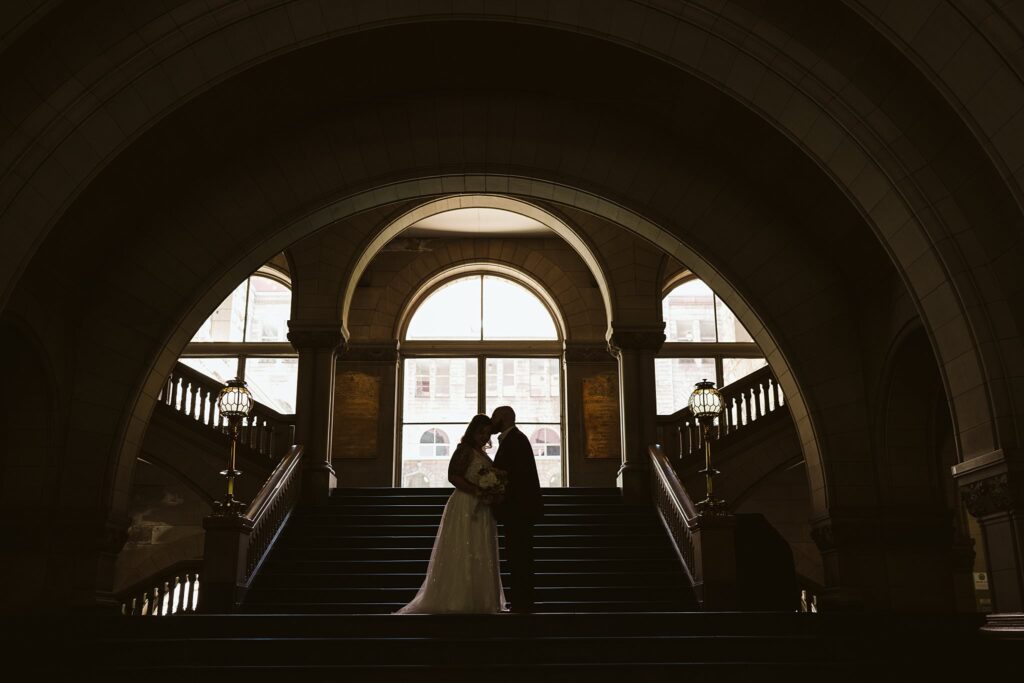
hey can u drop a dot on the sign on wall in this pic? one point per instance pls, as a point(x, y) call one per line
point(356, 415)
point(601, 416)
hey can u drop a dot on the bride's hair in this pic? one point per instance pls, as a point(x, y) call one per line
point(474, 424)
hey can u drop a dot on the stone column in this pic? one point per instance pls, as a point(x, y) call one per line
point(314, 405)
point(635, 346)
point(992, 489)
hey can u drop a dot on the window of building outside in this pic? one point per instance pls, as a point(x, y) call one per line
point(484, 319)
point(227, 344)
point(703, 340)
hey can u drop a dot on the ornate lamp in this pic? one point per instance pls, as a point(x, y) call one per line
point(234, 402)
point(706, 404)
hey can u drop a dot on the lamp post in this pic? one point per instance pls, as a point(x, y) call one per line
point(706, 404)
point(234, 402)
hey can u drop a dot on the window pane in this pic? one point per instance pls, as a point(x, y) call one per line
point(272, 382)
point(227, 323)
point(428, 394)
point(674, 380)
point(450, 312)
point(546, 440)
point(689, 313)
point(729, 328)
point(270, 305)
point(513, 312)
point(220, 369)
point(426, 450)
point(737, 368)
point(530, 385)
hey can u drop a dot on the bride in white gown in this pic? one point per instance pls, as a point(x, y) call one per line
point(463, 575)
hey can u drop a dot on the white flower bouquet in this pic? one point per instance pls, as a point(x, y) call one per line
point(492, 483)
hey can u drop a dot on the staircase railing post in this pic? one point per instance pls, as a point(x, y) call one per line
point(714, 544)
point(224, 553)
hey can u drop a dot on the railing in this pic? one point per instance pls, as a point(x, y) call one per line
point(676, 509)
point(193, 394)
point(270, 509)
point(745, 401)
point(175, 590)
point(236, 546)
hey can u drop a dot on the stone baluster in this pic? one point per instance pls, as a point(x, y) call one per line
point(314, 410)
point(635, 347)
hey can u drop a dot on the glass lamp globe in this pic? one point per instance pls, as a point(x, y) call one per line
point(235, 400)
point(705, 401)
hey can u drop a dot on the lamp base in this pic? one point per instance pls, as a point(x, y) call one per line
point(230, 507)
point(712, 506)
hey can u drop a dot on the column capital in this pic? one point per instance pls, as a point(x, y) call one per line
point(648, 337)
point(991, 484)
point(318, 337)
point(381, 352)
point(588, 352)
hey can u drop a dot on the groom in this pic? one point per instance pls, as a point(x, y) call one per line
point(522, 506)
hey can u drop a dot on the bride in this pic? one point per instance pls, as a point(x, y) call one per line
point(463, 575)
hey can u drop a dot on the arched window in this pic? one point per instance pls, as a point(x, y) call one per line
point(472, 343)
point(247, 336)
point(434, 444)
point(477, 308)
point(703, 340)
point(546, 442)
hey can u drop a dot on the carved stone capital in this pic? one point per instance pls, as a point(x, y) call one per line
point(987, 496)
point(637, 338)
point(319, 338)
point(579, 352)
point(370, 353)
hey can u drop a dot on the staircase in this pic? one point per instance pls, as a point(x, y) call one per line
point(367, 553)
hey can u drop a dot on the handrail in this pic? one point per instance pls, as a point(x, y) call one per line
point(236, 546)
point(172, 590)
point(270, 509)
point(676, 509)
point(193, 394)
point(745, 401)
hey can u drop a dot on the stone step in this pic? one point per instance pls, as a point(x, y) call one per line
point(276, 579)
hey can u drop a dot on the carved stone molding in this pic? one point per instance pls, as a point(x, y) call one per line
point(987, 496)
point(315, 338)
point(587, 353)
point(637, 338)
point(369, 353)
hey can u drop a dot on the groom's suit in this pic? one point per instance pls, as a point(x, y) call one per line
point(518, 512)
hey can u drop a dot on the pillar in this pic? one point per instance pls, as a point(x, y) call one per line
point(593, 435)
point(314, 406)
point(635, 347)
point(992, 490)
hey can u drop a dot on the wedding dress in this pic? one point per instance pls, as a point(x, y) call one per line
point(463, 575)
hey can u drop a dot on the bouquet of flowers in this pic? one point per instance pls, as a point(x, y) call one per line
point(492, 483)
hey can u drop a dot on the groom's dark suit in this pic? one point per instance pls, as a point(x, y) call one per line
point(518, 512)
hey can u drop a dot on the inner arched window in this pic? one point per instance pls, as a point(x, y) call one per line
point(246, 336)
point(703, 340)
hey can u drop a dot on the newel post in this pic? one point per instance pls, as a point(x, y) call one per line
point(714, 547)
point(314, 406)
point(224, 556)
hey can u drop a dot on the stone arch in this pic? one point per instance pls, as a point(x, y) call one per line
point(504, 202)
point(775, 76)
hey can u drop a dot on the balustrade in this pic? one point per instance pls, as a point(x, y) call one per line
point(193, 394)
point(744, 402)
point(174, 590)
